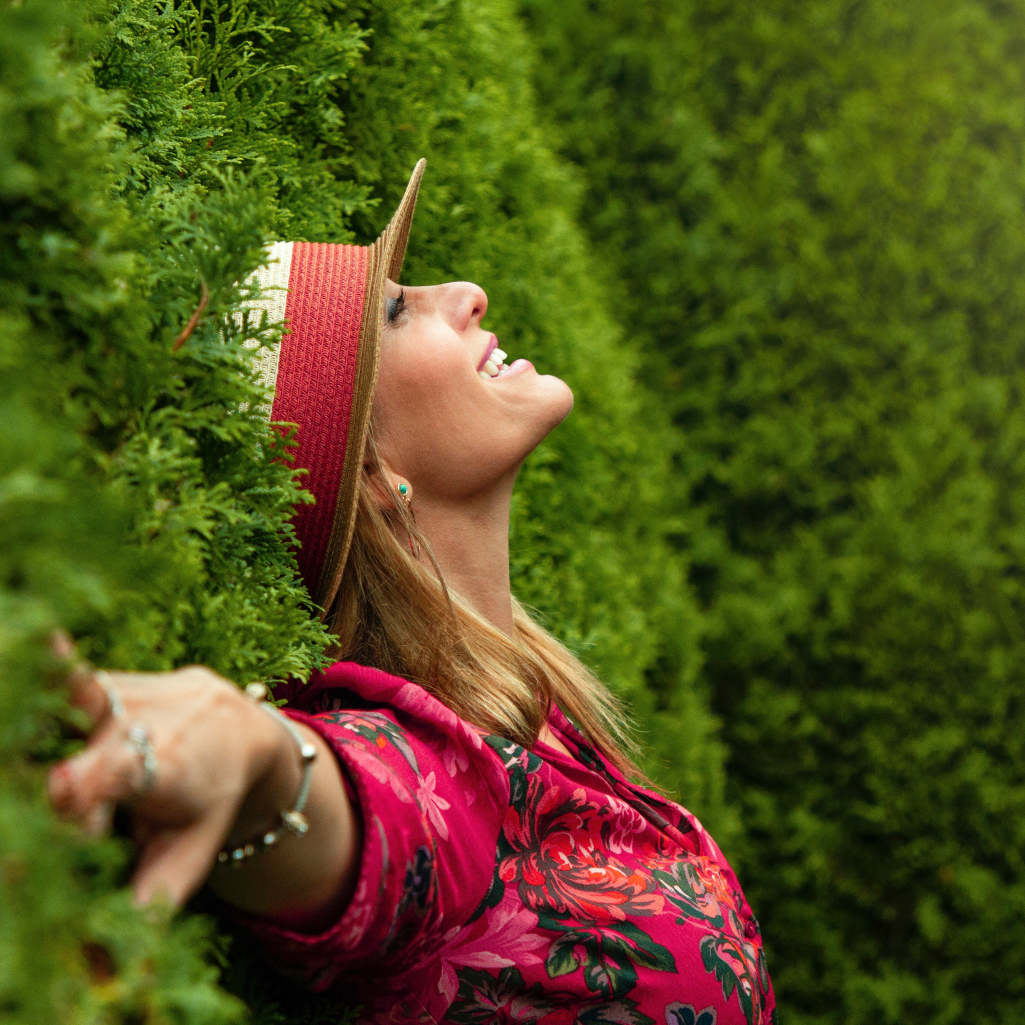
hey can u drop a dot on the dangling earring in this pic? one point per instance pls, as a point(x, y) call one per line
point(414, 545)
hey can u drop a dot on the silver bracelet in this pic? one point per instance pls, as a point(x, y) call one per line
point(293, 820)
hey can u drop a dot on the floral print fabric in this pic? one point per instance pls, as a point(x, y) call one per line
point(504, 885)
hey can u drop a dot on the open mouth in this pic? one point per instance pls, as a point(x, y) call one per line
point(493, 364)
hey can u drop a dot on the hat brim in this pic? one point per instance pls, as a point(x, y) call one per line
point(384, 261)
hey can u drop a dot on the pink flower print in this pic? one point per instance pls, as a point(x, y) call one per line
point(405, 1012)
point(415, 699)
point(454, 757)
point(362, 906)
point(380, 771)
point(626, 821)
point(433, 804)
point(510, 930)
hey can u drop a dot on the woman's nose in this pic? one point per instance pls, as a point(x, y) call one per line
point(470, 303)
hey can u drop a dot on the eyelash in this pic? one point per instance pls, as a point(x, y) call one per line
point(396, 306)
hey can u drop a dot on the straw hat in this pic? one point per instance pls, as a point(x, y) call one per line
point(323, 374)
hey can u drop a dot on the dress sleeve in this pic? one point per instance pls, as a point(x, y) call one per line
point(432, 810)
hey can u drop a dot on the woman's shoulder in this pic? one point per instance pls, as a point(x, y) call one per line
point(360, 698)
point(667, 815)
point(347, 681)
point(351, 685)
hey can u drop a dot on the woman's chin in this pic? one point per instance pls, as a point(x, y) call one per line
point(552, 403)
point(559, 396)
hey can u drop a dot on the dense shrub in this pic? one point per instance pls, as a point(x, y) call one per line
point(816, 210)
point(134, 511)
point(149, 150)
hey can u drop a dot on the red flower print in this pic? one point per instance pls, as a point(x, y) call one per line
point(561, 860)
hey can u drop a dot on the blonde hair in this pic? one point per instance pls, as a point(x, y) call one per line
point(394, 612)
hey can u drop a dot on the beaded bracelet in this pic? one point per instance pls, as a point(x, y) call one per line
point(294, 820)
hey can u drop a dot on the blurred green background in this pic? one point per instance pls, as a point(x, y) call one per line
point(776, 249)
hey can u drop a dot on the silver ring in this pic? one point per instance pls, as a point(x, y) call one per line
point(117, 706)
point(139, 739)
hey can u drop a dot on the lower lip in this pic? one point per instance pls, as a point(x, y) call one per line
point(517, 367)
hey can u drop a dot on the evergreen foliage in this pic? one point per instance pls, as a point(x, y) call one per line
point(149, 151)
point(135, 513)
point(815, 210)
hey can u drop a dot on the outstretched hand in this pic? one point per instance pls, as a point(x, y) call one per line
point(211, 746)
point(198, 766)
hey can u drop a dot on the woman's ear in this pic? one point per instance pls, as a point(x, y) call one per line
point(390, 488)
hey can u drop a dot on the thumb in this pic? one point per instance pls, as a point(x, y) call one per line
point(175, 862)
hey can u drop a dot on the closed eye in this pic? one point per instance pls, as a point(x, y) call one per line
point(395, 306)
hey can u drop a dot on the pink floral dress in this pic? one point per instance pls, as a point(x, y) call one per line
point(504, 885)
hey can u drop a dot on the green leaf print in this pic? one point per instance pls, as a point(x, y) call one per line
point(679, 1013)
point(618, 1012)
point(608, 954)
point(719, 955)
point(610, 972)
point(484, 998)
point(683, 888)
point(519, 763)
point(645, 950)
point(377, 728)
point(562, 957)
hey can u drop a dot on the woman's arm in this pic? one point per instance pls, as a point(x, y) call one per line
point(225, 771)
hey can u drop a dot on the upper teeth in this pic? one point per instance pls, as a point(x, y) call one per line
point(494, 366)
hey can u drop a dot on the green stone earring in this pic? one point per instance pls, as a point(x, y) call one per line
point(403, 490)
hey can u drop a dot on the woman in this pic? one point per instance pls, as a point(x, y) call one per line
point(442, 823)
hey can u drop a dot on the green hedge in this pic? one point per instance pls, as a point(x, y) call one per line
point(148, 151)
point(816, 210)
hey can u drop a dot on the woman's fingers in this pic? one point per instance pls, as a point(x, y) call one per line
point(85, 691)
point(176, 862)
point(107, 772)
point(85, 687)
point(62, 646)
point(181, 749)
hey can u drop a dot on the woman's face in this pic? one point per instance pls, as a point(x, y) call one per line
point(454, 415)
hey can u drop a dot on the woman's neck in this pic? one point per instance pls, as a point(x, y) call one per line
point(470, 540)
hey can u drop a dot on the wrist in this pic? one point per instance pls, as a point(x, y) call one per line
point(292, 875)
point(275, 775)
point(291, 819)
